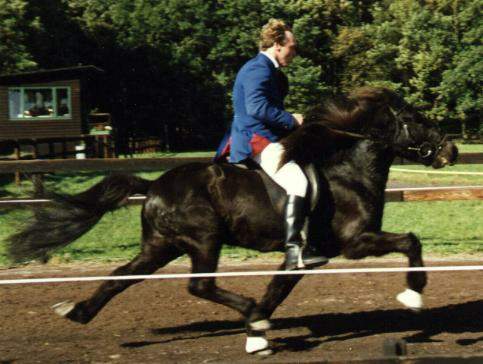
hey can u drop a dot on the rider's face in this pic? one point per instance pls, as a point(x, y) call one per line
point(284, 54)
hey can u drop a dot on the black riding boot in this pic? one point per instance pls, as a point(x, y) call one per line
point(294, 222)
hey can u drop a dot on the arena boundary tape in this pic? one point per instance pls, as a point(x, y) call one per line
point(240, 274)
point(436, 172)
point(140, 198)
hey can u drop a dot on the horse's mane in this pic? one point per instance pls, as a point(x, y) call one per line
point(319, 134)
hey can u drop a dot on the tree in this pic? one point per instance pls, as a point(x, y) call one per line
point(15, 26)
point(428, 50)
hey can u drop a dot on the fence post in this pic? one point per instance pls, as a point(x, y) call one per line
point(17, 157)
point(51, 149)
point(105, 142)
point(64, 149)
point(35, 146)
point(38, 182)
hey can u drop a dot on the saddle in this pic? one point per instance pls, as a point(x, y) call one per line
point(316, 192)
point(277, 194)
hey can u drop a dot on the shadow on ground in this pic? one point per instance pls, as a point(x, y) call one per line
point(456, 319)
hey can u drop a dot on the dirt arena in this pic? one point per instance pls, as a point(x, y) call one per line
point(331, 317)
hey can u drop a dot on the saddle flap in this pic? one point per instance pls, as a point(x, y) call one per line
point(277, 194)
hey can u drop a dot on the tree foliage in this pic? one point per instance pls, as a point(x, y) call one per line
point(15, 26)
point(172, 63)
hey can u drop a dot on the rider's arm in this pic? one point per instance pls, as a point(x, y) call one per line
point(257, 90)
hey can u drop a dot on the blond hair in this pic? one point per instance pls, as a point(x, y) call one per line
point(273, 32)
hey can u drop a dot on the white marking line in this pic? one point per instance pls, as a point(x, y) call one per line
point(242, 274)
point(435, 172)
point(443, 188)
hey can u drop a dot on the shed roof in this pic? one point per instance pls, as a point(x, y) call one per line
point(57, 74)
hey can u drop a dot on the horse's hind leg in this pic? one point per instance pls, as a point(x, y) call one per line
point(378, 244)
point(148, 261)
point(205, 259)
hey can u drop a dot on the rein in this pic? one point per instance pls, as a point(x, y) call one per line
point(424, 150)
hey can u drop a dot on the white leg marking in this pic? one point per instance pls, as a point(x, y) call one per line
point(411, 299)
point(63, 308)
point(262, 325)
point(257, 345)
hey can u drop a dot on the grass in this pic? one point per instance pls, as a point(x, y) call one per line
point(174, 154)
point(446, 228)
point(437, 179)
point(470, 148)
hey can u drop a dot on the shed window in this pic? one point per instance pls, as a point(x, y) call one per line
point(39, 102)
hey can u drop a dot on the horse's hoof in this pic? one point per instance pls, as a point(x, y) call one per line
point(411, 299)
point(261, 325)
point(258, 345)
point(63, 308)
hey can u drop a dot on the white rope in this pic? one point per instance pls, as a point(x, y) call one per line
point(436, 172)
point(241, 274)
point(141, 198)
point(442, 188)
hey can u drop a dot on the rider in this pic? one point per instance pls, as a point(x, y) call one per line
point(260, 121)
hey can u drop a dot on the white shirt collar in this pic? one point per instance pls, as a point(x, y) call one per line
point(271, 58)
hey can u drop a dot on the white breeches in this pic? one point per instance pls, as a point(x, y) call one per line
point(290, 176)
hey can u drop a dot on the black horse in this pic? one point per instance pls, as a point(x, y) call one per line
point(196, 208)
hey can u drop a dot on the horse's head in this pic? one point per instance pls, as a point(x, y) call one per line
point(404, 129)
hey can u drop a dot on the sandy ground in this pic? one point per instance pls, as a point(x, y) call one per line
point(326, 318)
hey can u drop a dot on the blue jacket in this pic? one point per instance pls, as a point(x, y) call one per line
point(259, 117)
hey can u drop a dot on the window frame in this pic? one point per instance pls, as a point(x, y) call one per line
point(54, 102)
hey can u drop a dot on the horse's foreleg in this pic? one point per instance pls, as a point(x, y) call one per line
point(378, 244)
point(147, 262)
point(278, 289)
point(258, 321)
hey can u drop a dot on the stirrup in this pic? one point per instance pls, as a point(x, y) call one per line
point(312, 257)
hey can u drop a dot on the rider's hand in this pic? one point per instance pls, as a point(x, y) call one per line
point(299, 118)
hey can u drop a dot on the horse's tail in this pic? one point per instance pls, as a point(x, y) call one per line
point(71, 216)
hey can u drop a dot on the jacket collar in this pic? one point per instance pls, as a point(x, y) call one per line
point(271, 58)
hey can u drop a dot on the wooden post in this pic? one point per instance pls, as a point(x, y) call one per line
point(38, 182)
point(17, 156)
point(36, 149)
point(64, 149)
point(51, 149)
point(105, 142)
point(96, 146)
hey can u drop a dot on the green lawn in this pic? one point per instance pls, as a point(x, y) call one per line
point(445, 227)
point(451, 227)
point(438, 177)
point(470, 148)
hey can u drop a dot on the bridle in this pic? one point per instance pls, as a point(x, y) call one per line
point(425, 149)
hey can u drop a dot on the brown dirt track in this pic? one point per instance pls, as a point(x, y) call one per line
point(333, 317)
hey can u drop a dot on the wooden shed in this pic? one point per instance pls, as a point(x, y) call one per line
point(46, 104)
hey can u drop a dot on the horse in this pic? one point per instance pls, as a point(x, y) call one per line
point(195, 208)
